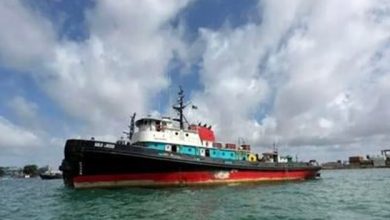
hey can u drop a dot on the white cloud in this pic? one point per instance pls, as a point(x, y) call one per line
point(26, 111)
point(20, 145)
point(233, 87)
point(26, 39)
point(15, 139)
point(334, 63)
point(312, 73)
point(119, 69)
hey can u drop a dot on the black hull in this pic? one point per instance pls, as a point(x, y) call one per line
point(84, 158)
point(50, 177)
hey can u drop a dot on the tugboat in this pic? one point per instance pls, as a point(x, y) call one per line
point(51, 174)
point(172, 152)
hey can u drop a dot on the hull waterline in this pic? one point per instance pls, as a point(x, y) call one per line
point(201, 178)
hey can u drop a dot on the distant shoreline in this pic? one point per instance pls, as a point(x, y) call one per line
point(348, 167)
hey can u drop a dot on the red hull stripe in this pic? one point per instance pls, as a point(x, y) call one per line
point(189, 178)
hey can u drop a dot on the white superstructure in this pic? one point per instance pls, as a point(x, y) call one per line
point(164, 131)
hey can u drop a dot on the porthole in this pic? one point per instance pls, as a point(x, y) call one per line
point(186, 135)
point(176, 133)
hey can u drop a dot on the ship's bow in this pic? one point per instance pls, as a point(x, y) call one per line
point(73, 156)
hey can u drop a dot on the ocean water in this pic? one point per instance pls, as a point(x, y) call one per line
point(339, 194)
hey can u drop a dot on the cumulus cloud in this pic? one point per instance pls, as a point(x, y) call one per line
point(15, 139)
point(26, 38)
point(310, 74)
point(26, 111)
point(117, 70)
point(328, 71)
point(120, 67)
point(20, 145)
point(233, 88)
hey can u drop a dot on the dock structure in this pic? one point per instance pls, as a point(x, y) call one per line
point(359, 162)
point(386, 154)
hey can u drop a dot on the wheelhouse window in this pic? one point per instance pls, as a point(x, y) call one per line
point(158, 125)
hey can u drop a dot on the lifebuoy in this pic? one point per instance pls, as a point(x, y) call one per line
point(168, 147)
point(252, 158)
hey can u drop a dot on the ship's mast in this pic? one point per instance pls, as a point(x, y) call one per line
point(179, 107)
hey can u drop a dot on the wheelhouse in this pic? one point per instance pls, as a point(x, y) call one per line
point(154, 124)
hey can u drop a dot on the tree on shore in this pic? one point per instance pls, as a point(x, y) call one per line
point(43, 169)
point(31, 170)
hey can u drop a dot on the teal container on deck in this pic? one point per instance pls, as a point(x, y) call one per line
point(157, 146)
point(188, 150)
point(195, 151)
point(222, 154)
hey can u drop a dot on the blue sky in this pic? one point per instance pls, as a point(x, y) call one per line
point(306, 75)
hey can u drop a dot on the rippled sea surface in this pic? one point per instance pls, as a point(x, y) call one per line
point(339, 194)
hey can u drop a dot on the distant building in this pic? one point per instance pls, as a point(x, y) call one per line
point(378, 161)
point(333, 165)
point(386, 154)
point(355, 160)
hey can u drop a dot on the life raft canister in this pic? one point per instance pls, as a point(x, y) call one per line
point(168, 147)
point(251, 158)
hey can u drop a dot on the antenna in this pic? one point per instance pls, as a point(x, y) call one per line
point(241, 140)
point(179, 107)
